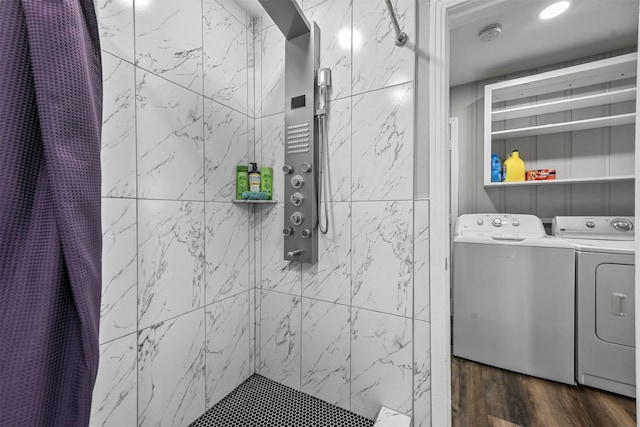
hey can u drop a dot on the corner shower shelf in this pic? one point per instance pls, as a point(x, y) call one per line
point(593, 76)
point(254, 202)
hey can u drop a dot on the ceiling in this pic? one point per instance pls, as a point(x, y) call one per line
point(588, 27)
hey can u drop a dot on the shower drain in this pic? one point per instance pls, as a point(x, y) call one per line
point(261, 402)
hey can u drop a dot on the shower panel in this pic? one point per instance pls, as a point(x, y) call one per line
point(301, 161)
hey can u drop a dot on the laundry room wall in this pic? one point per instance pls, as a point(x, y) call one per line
point(580, 153)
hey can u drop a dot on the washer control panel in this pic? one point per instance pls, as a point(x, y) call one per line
point(594, 227)
point(500, 226)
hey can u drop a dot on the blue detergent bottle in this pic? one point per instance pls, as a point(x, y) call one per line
point(496, 168)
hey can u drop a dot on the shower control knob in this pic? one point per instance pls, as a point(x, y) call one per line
point(306, 167)
point(287, 231)
point(287, 169)
point(297, 198)
point(306, 233)
point(297, 181)
point(296, 218)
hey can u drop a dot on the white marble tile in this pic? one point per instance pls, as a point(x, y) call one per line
point(169, 40)
point(377, 61)
point(236, 10)
point(422, 375)
point(382, 256)
point(227, 351)
point(272, 64)
point(330, 278)
point(421, 261)
point(115, 18)
point(334, 20)
point(119, 303)
point(118, 150)
point(382, 144)
point(170, 259)
point(326, 351)
point(171, 371)
point(339, 149)
point(276, 273)
point(272, 151)
point(114, 394)
point(225, 56)
point(381, 364)
point(170, 140)
point(225, 147)
point(280, 338)
point(227, 250)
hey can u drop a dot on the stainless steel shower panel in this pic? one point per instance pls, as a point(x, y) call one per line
point(302, 58)
point(287, 16)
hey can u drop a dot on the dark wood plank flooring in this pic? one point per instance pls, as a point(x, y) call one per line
point(486, 396)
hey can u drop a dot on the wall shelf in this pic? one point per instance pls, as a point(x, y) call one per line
point(563, 181)
point(598, 122)
point(565, 104)
point(606, 83)
point(254, 202)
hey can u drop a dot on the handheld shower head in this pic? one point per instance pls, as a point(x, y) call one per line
point(323, 81)
point(324, 77)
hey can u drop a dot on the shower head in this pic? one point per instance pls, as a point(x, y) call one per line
point(287, 16)
point(324, 77)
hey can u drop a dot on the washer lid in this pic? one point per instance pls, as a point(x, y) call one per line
point(594, 227)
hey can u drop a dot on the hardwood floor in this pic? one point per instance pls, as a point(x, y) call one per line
point(484, 396)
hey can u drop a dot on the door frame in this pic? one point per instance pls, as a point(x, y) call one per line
point(439, 12)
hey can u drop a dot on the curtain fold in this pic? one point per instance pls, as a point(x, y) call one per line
point(50, 235)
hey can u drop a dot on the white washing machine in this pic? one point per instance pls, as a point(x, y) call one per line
point(513, 296)
point(605, 300)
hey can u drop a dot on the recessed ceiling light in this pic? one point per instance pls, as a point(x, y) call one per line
point(554, 10)
point(490, 32)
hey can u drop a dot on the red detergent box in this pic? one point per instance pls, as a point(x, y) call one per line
point(541, 174)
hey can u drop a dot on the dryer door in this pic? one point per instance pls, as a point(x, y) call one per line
point(615, 306)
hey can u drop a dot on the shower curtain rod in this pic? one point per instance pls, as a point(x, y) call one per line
point(401, 37)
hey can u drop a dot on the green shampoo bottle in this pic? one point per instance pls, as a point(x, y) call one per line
point(242, 180)
point(266, 181)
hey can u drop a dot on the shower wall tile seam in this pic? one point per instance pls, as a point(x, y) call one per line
point(350, 96)
point(111, 340)
point(378, 89)
point(244, 24)
point(206, 97)
point(118, 57)
point(407, 317)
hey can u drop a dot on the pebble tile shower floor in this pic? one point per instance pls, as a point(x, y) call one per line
point(261, 402)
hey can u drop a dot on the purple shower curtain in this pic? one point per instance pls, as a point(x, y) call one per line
point(50, 237)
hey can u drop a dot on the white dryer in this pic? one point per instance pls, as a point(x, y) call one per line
point(513, 296)
point(605, 300)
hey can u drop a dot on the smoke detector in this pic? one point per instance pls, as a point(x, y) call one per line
point(490, 32)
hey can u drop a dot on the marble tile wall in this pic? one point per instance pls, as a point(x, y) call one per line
point(196, 286)
point(352, 329)
point(177, 305)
